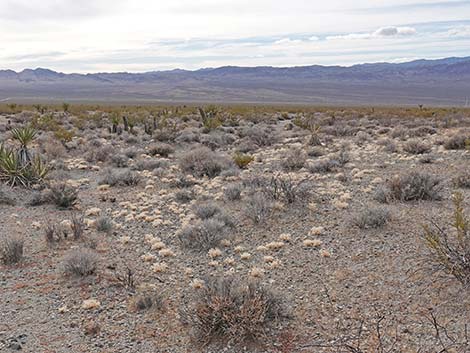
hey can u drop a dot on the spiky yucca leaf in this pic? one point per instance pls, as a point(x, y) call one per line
point(24, 135)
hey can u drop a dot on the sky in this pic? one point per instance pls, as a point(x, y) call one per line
point(146, 35)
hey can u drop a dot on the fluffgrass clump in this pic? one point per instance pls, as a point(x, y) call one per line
point(450, 250)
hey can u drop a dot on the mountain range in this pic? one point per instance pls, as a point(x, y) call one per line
point(443, 82)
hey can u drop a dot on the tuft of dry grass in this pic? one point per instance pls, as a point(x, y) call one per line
point(11, 249)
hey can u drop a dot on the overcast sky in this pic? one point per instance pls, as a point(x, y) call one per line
point(146, 35)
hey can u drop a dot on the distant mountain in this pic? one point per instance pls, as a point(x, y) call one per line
point(431, 82)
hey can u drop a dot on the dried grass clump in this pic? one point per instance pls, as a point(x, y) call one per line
point(450, 251)
point(416, 147)
point(80, 262)
point(11, 249)
point(231, 311)
point(372, 217)
point(203, 162)
point(414, 186)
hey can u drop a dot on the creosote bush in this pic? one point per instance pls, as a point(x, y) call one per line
point(414, 186)
point(233, 311)
point(11, 249)
point(450, 250)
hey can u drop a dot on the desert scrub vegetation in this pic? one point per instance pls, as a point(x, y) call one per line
point(63, 195)
point(17, 165)
point(413, 186)
point(462, 180)
point(203, 235)
point(371, 217)
point(450, 250)
point(294, 159)
point(11, 249)
point(416, 147)
point(80, 262)
point(232, 311)
point(233, 192)
point(113, 177)
point(459, 141)
point(242, 160)
point(203, 162)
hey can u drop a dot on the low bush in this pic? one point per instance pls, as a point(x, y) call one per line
point(80, 262)
point(371, 217)
point(203, 162)
point(233, 311)
point(414, 186)
point(11, 249)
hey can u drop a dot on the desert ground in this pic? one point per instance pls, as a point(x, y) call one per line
point(234, 229)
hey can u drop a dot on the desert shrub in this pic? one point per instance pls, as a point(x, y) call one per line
point(182, 182)
point(206, 210)
point(413, 186)
point(293, 159)
point(161, 149)
point(388, 145)
point(416, 147)
point(315, 151)
point(114, 177)
point(203, 235)
point(131, 152)
point(282, 188)
point(11, 249)
point(63, 195)
point(148, 300)
point(104, 224)
point(422, 131)
point(233, 311)
point(233, 192)
point(242, 160)
point(260, 137)
point(459, 141)
point(258, 207)
point(80, 262)
point(462, 180)
point(371, 217)
point(150, 164)
point(342, 156)
point(54, 149)
point(78, 226)
point(120, 161)
point(101, 154)
point(427, 159)
point(323, 166)
point(202, 162)
point(400, 132)
point(184, 196)
point(450, 251)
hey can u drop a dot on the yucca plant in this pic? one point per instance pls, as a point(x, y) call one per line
point(24, 136)
point(209, 117)
point(451, 250)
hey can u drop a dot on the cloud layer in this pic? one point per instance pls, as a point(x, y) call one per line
point(142, 35)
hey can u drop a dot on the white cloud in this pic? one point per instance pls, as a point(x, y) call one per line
point(382, 32)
